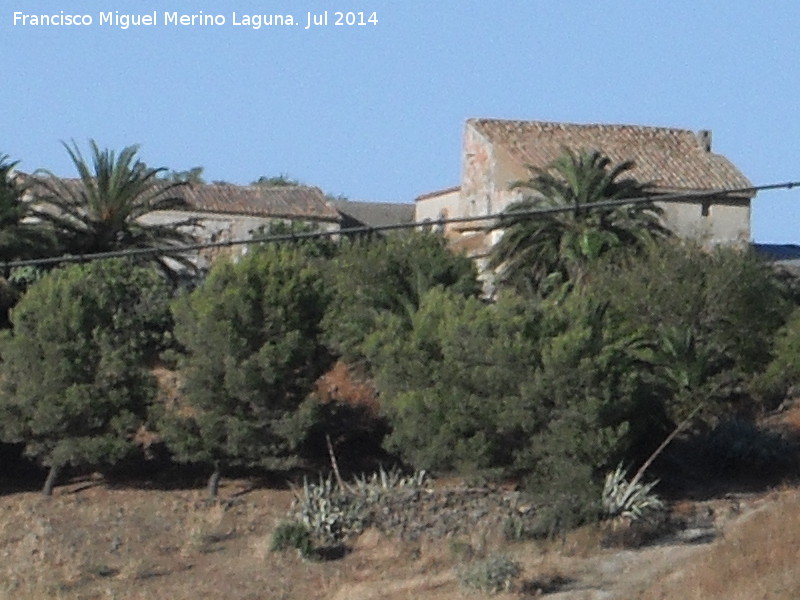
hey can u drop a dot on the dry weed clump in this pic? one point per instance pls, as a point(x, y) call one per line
point(206, 528)
point(496, 573)
point(756, 558)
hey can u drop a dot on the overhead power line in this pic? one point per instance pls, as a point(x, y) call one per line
point(498, 218)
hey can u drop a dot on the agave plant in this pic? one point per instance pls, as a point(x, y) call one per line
point(386, 482)
point(330, 513)
point(632, 500)
point(333, 513)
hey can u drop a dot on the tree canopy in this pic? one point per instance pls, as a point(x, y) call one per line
point(373, 276)
point(74, 383)
point(21, 234)
point(103, 210)
point(537, 253)
point(250, 335)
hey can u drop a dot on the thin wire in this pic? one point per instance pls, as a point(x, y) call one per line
point(295, 236)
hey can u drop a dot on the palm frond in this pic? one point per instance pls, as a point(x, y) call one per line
point(102, 209)
point(535, 246)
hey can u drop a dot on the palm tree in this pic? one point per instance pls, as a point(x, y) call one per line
point(536, 253)
point(22, 236)
point(102, 210)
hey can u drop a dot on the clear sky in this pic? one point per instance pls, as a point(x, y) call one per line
point(376, 112)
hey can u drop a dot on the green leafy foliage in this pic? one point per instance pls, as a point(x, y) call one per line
point(322, 247)
point(102, 211)
point(251, 352)
point(291, 534)
point(709, 315)
point(75, 383)
point(593, 406)
point(566, 498)
point(20, 237)
point(537, 253)
point(377, 276)
point(782, 373)
point(453, 381)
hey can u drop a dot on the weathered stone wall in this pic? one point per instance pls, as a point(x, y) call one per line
point(441, 513)
point(438, 205)
point(478, 176)
point(721, 222)
point(219, 227)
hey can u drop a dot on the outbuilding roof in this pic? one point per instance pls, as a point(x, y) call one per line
point(374, 214)
point(286, 201)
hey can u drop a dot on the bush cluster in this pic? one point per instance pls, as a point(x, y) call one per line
point(555, 389)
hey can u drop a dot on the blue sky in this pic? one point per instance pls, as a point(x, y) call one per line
point(377, 112)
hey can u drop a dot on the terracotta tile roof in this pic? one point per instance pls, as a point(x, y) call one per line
point(670, 159)
point(253, 200)
point(279, 201)
point(449, 190)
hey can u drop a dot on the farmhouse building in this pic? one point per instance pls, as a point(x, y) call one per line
point(223, 212)
point(497, 153)
point(226, 212)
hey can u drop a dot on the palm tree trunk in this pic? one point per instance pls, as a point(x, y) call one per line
point(50, 482)
point(680, 427)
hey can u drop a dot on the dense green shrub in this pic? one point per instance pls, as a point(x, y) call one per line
point(594, 407)
point(453, 384)
point(251, 353)
point(557, 393)
point(291, 534)
point(783, 371)
point(75, 383)
point(710, 316)
point(376, 276)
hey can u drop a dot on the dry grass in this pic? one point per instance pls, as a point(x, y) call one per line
point(91, 542)
point(756, 558)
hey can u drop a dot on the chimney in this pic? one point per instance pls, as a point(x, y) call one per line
point(704, 139)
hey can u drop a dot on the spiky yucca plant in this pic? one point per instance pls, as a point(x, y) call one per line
point(632, 500)
point(330, 513)
point(333, 513)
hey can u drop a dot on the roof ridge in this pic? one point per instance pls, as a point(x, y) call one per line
point(564, 124)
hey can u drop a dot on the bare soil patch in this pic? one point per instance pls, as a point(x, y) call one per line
point(93, 541)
